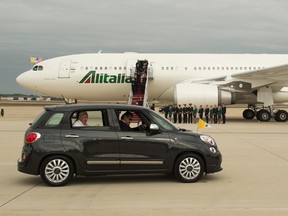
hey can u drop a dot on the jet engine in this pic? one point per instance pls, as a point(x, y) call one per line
point(198, 94)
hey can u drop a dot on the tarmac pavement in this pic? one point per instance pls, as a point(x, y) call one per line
point(253, 180)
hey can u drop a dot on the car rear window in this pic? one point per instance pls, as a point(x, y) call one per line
point(54, 120)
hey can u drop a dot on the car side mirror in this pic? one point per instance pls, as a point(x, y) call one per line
point(153, 129)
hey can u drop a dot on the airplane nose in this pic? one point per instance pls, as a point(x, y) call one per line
point(24, 80)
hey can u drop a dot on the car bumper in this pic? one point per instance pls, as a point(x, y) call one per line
point(214, 163)
point(24, 167)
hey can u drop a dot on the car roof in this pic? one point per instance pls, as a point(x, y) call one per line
point(83, 106)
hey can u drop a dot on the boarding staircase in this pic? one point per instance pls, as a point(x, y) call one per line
point(137, 95)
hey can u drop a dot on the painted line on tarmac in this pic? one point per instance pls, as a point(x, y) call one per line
point(20, 194)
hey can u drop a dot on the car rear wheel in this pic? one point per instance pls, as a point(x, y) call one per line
point(57, 170)
point(189, 168)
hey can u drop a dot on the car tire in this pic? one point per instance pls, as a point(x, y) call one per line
point(56, 170)
point(189, 168)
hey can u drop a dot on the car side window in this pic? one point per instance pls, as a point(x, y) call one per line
point(131, 120)
point(91, 118)
point(54, 120)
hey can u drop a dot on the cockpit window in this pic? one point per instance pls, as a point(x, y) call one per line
point(37, 68)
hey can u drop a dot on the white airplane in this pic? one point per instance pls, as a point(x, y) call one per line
point(253, 79)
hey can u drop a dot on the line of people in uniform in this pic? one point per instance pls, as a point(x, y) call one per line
point(190, 114)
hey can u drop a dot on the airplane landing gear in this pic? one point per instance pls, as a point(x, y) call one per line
point(265, 114)
point(248, 114)
point(281, 115)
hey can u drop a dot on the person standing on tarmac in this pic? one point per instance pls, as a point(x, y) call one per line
point(185, 114)
point(211, 114)
point(219, 113)
point(2, 112)
point(180, 110)
point(215, 111)
point(190, 113)
point(170, 111)
point(223, 113)
point(175, 113)
point(195, 110)
point(206, 113)
point(200, 112)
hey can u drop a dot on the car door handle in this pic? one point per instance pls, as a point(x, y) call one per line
point(71, 136)
point(127, 138)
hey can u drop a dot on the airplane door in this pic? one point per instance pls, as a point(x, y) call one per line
point(131, 67)
point(64, 70)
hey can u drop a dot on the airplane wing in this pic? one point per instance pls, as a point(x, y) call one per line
point(278, 73)
point(256, 79)
point(251, 80)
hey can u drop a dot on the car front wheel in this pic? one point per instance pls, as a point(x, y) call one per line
point(189, 168)
point(57, 170)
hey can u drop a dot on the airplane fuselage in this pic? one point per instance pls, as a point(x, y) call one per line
point(107, 77)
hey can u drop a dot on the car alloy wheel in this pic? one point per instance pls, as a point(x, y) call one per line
point(57, 171)
point(189, 168)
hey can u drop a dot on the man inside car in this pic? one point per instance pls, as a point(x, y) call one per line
point(125, 121)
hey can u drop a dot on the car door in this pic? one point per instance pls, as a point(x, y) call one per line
point(140, 150)
point(96, 145)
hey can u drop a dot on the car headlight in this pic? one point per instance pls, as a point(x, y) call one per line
point(207, 139)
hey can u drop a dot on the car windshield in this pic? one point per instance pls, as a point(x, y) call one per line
point(167, 125)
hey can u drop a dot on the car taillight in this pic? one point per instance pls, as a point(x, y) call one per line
point(32, 137)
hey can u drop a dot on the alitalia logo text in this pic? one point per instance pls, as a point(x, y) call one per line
point(93, 77)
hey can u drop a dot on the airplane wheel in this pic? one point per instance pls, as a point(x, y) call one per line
point(263, 115)
point(281, 116)
point(248, 114)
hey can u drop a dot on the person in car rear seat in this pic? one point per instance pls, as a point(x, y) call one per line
point(81, 120)
point(125, 121)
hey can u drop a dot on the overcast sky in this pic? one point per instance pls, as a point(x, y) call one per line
point(54, 28)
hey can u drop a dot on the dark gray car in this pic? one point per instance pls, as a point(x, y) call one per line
point(56, 149)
